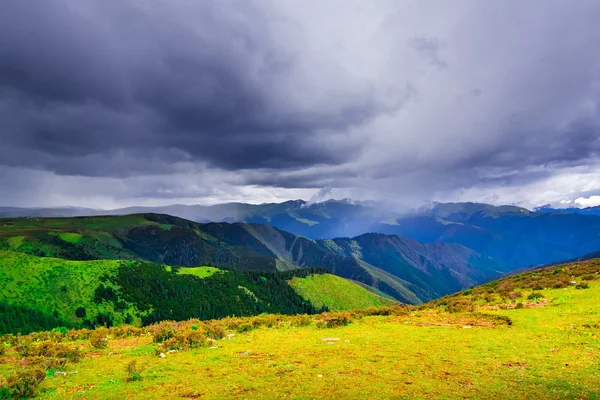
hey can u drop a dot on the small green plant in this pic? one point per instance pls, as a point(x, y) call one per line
point(134, 371)
point(194, 327)
point(61, 329)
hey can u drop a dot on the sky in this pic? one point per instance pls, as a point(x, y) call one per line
point(115, 103)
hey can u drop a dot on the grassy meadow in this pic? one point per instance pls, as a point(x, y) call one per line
point(486, 343)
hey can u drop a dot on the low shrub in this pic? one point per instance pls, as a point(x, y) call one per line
point(300, 320)
point(519, 305)
point(99, 338)
point(333, 320)
point(46, 363)
point(535, 296)
point(78, 334)
point(58, 350)
point(515, 295)
point(22, 384)
point(162, 331)
point(582, 285)
point(214, 330)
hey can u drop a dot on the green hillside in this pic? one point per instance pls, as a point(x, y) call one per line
point(336, 293)
point(43, 292)
point(534, 335)
point(406, 270)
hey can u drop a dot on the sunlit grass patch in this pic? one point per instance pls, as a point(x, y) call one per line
point(200, 272)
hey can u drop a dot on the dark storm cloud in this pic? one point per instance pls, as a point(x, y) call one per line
point(214, 80)
point(188, 100)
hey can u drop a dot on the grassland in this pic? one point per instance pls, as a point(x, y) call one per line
point(200, 272)
point(336, 293)
point(546, 348)
point(56, 286)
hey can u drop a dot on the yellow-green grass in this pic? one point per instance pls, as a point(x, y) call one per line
point(200, 272)
point(548, 353)
point(336, 293)
point(70, 237)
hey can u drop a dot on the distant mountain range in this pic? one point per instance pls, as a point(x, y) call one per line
point(513, 237)
point(404, 269)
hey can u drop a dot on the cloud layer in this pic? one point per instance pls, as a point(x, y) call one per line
point(128, 102)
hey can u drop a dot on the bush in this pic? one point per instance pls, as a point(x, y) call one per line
point(519, 305)
point(23, 383)
point(52, 349)
point(163, 331)
point(46, 363)
point(99, 339)
point(333, 320)
point(78, 334)
point(514, 295)
point(588, 277)
point(300, 320)
point(214, 330)
point(535, 296)
point(582, 285)
point(134, 372)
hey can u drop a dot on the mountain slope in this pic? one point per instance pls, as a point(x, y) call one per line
point(407, 270)
point(512, 236)
point(336, 293)
point(44, 292)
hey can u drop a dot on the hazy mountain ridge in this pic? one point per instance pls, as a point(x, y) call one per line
point(513, 236)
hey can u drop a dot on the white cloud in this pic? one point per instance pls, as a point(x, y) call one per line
point(591, 201)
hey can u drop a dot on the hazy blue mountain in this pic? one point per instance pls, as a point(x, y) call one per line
point(510, 235)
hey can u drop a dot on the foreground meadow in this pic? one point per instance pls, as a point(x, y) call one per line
point(548, 347)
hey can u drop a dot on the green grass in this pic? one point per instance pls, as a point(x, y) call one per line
point(54, 285)
point(336, 293)
point(200, 272)
point(549, 352)
point(70, 237)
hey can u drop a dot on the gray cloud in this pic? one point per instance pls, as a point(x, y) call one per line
point(194, 101)
point(429, 48)
point(224, 83)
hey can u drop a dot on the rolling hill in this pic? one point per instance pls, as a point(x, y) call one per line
point(43, 293)
point(407, 270)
